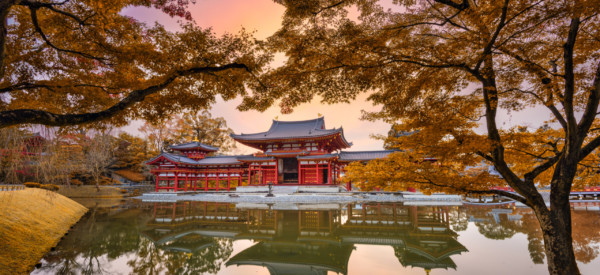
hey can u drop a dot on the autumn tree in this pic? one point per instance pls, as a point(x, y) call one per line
point(98, 155)
point(130, 152)
point(83, 61)
point(192, 125)
point(158, 133)
point(443, 68)
point(201, 126)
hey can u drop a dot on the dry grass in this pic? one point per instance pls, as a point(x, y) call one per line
point(90, 191)
point(130, 175)
point(31, 222)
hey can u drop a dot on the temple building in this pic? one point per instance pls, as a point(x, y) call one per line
point(290, 152)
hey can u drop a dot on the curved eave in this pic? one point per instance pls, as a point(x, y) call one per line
point(338, 138)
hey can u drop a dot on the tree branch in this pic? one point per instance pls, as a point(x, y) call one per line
point(488, 48)
point(21, 116)
point(36, 25)
point(591, 107)
point(30, 86)
point(570, 78)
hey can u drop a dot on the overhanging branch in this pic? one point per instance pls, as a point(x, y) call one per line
point(22, 116)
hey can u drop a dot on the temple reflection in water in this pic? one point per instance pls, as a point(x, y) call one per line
point(305, 240)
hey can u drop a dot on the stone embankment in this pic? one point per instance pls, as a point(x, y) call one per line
point(303, 198)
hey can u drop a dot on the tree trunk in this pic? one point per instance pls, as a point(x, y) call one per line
point(558, 241)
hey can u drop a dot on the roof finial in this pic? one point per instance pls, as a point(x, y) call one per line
point(276, 117)
point(319, 114)
point(196, 139)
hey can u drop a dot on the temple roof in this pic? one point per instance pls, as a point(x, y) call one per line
point(193, 145)
point(347, 156)
point(174, 158)
point(281, 130)
point(315, 157)
point(363, 155)
point(216, 160)
point(254, 158)
point(211, 160)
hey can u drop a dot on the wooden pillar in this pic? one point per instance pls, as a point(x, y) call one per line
point(228, 177)
point(218, 170)
point(186, 181)
point(349, 186)
point(299, 172)
point(329, 172)
point(250, 174)
point(205, 179)
point(276, 171)
point(157, 180)
point(176, 181)
point(319, 175)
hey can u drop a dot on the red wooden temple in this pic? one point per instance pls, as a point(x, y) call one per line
point(291, 153)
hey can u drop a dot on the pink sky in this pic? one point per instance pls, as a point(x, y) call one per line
point(264, 17)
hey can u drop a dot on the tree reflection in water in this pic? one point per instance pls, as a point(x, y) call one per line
point(197, 237)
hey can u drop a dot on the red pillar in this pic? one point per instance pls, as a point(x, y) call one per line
point(299, 172)
point(157, 180)
point(349, 187)
point(319, 175)
point(205, 180)
point(218, 170)
point(329, 172)
point(176, 181)
point(186, 181)
point(228, 178)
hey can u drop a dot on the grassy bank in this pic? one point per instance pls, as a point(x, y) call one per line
point(31, 222)
point(90, 191)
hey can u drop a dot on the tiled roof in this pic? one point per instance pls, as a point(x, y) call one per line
point(253, 158)
point(292, 129)
point(219, 160)
point(325, 156)
point(194, 144)
point(285, 153)
point(212, 160)
point(174, 158)
point(363, 155)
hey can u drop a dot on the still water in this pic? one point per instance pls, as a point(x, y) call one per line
point(132, 237)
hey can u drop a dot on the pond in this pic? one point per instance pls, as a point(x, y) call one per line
point(131, 237)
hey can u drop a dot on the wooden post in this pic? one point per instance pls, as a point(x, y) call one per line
point(218, 170)
point(349, 186)
point(157, 180)
point(228, 178)
point(186, 181)
point(319, 175)
point(205, 179)
point(276, 171)
point(176, 180)
point(299, 172)
point(329, 172)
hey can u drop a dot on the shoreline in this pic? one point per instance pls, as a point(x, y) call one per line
point(301, 198)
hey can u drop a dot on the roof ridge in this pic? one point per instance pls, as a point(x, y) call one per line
point(369, 151)
point(294, 121)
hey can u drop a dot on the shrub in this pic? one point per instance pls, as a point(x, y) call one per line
point(51, 187)
point(32, 185)
point(76, 182)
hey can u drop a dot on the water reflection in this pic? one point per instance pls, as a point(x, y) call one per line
point(198, 237)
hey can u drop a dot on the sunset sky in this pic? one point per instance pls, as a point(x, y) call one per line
point(264, 17)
